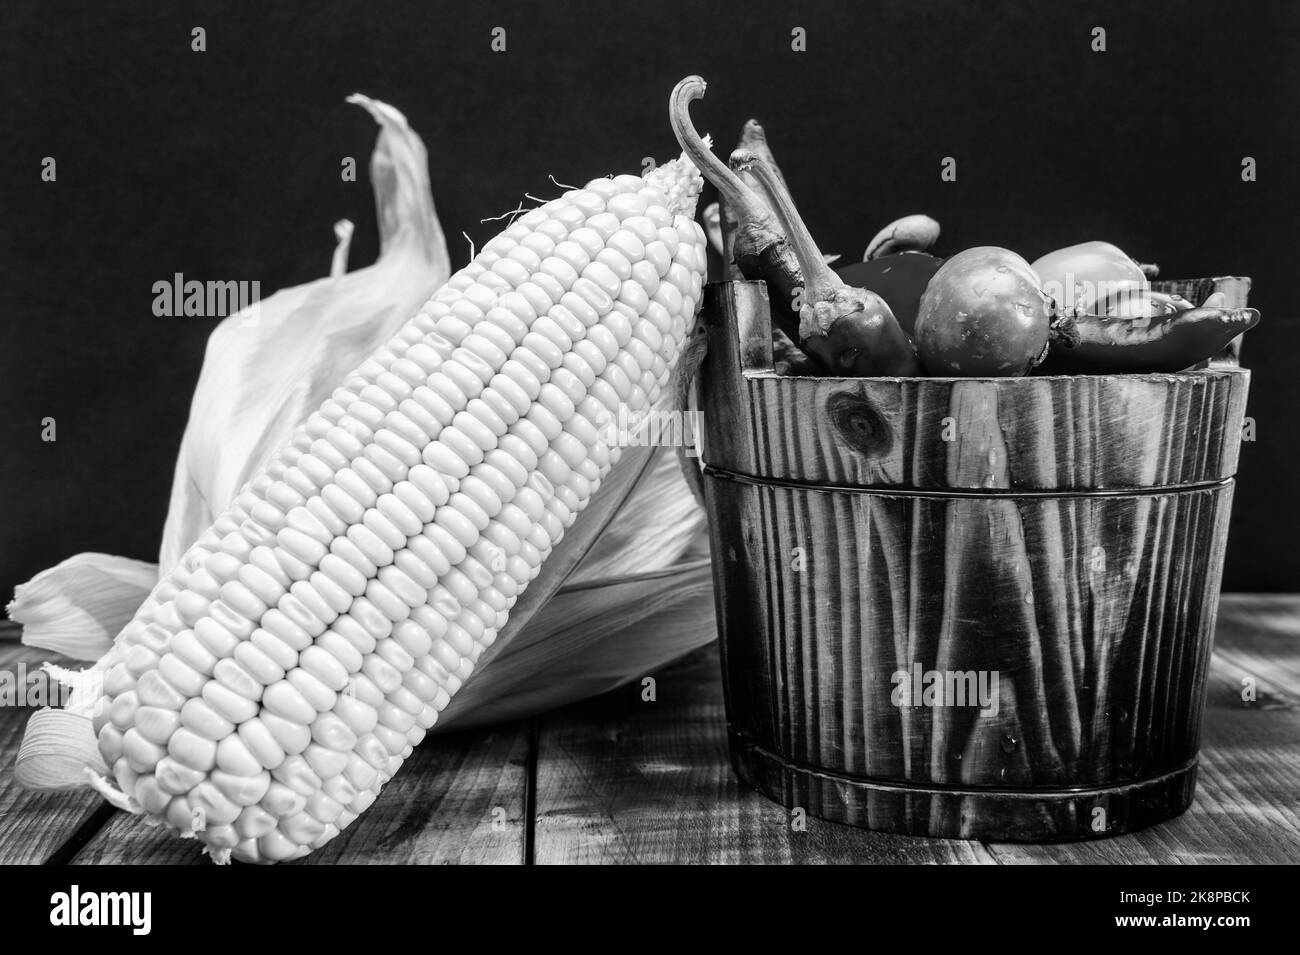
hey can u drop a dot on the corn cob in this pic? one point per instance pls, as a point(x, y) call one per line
point(278, 676)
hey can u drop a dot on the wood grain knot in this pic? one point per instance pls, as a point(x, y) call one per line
point(859, 424)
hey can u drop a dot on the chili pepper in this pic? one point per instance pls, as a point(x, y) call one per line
point(1169, 342)
point(1142, 306)
point(849, 330)
point(758, 243)
point(753, 139)
point(1079, 276)
point(790, 360)
point(915, 233)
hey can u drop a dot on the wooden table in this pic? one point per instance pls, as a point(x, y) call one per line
point(617, 779)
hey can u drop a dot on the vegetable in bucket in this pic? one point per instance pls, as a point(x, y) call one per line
point(983, 314)
point(759, 242)
point(847, 329)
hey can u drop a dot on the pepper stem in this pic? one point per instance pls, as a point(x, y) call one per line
point(735, 193)
point(819, 283)
point(754, 139)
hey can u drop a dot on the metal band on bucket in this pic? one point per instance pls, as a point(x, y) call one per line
point(889, 490)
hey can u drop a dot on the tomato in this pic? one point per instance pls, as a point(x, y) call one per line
point(983, 314)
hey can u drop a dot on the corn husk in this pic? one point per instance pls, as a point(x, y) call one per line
point(264, 371)
point(657, 524)
point(618, 508)
point(77, 607)
point(56, 751)
point(590, 638)
point(268, 367)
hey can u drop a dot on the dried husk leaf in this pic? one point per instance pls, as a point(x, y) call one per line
point(77, 607)
point(266, 368)
point(343, 230)
point(656, 525)
point(591, 638)
point(269, 366)
point(58, 747)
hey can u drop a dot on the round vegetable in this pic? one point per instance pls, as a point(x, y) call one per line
point(983, 314)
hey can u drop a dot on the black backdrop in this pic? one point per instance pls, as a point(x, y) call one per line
point(225, 164)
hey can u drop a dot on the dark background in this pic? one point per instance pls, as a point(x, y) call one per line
point(225, 165)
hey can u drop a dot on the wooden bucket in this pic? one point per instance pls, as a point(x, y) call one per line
point(1036, 560)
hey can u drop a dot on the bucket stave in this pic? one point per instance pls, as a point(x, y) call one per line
point(977, 608)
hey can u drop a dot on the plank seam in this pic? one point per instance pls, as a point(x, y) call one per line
point(530, 791)
point(88, 828)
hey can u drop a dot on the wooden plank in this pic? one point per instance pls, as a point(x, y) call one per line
point(458, 799)
point(32, 825)
point(624, 780)
point(1255, 632)
point(1247, 807)
point(627, 781)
